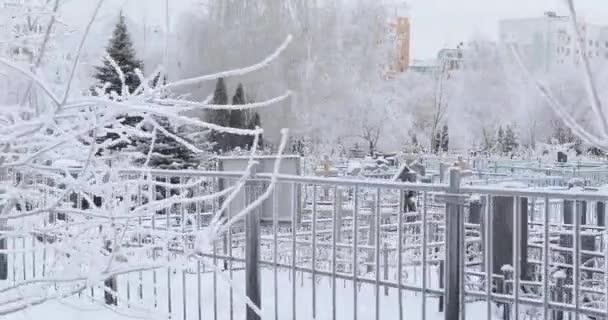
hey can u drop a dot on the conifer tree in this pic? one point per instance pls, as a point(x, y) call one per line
point(510, 140)
point(238, 119)
point(253, 123)
point(500, 137)
point(121, 50)
point(219, 117)
point(445, 139)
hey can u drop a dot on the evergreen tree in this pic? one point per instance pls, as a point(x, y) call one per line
point(445, 139)
point(500, 137)
point(510, 143)
point(168, 153)
point(238, 120)
point(121, 50)
point(436, 143)
point(254, 122)
point(219, 117)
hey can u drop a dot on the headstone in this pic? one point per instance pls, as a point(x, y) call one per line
point(289, 165)
point(502, 237)
point(600, 214)
point(475, 211)
point(3, 256)
point(587, 241)
point(405, 174)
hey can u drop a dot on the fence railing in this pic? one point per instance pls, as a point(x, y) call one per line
point(336, 248)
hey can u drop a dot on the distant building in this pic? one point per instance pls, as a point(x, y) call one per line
point(450, 59)
point(447, 59)
point(424, 66)
point(401, 27)
point(399, 37)
point(548, 42)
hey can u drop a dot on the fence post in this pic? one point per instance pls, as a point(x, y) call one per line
point(3, 227)
point(385, 254)
point(3, 246)
point(453, 221)
point(252, 251)
point(338, 198)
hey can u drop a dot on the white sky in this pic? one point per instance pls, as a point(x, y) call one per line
point(440, 23)
point(435, 23)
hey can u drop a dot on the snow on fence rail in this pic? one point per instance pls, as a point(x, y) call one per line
point(349, 250)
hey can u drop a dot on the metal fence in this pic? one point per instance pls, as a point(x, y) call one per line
point(356, 250)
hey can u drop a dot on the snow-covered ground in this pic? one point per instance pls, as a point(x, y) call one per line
point(82, 308)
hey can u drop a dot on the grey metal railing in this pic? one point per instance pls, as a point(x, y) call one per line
point(469, 251)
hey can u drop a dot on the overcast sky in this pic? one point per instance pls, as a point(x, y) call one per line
point(435, 23)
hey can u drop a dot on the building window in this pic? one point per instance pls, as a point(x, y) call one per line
point(567, 51)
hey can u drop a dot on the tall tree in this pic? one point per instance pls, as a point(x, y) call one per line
point(510, 140)
point(167, 152)
point(500, 139)
point(254, 122)
point(219, 117)
point(238, 119)
point(121, 51)
point(445, 139)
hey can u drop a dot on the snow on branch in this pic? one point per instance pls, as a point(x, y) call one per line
point(236, 72)
point(590, 85)
point(206, 105)
point(556, 106)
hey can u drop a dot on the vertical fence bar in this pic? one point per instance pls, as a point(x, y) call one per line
point(546, 243)
point(453, 250)
point(377, 252)
point(44, 242)
point(168, 191)
point(576, 258)
point(275, 248)
point(516, 255)
point(14, 262)
point(488, 248)
point(334, 252)
point(23, 256)
point(215, 309)
point(230, 266)
point(314, 251)
point(605, 214)
point(399, 260)
point(182, 208)
point(214, 209)
point(462, 262)
point(199, 294)
point(127, 199)
point(355, 248)
point(152, 196)
point(423, 230)
point(252, 253)
point(294, 221)
point(34, 182)
point(140, 202)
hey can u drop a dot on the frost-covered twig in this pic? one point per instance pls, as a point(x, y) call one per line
point(590, 85)
point(557, 107)
point(204, 105)
point(79, 51)
point(232, 73)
